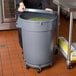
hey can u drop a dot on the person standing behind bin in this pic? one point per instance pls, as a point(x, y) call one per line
point(35, 4)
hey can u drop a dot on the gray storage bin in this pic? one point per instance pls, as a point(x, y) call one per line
point(38, 37)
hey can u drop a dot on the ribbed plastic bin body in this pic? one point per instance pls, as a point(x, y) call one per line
point(38, 38)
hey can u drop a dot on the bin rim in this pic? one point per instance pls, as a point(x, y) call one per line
point(38, 11)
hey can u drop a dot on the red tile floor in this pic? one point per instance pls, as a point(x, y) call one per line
point(11, 58)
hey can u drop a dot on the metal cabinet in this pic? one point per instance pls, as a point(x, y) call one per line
point(7, 14)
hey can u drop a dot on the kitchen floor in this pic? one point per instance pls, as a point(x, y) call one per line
point(11, 58)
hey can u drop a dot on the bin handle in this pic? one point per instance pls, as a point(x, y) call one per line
point(38, 11)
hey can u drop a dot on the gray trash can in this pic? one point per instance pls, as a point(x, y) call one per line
point(37, 37)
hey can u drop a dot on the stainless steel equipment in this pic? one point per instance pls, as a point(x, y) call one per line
point(71, 5)
point(7, 14)
point(37, 37)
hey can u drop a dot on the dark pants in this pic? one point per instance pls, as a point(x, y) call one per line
point(20, 37)
point(19, 29)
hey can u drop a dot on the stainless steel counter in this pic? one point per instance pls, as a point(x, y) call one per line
point(71, 6)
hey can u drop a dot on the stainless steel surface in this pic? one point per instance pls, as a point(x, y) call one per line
point(6, 23)
point(71, 5)
point(0, 11)
point(8, 11)
point(56, 2)
point(70, 37)
point(58, 25)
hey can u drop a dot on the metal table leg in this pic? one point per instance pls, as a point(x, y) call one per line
point(58, 25)
point(57, 34)
point(70, 40)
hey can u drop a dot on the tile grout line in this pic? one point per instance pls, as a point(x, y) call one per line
point(1, 64)
point(19, 59)
point(10, 58)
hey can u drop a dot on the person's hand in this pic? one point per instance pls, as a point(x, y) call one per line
point(48, 9)
point(21, 7)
